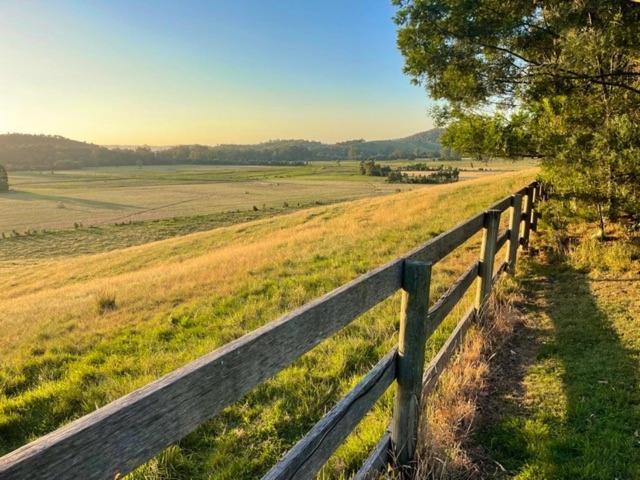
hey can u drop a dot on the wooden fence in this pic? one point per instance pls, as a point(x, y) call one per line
point(122, 435)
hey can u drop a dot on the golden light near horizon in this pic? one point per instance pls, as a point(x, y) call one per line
point(110, 74)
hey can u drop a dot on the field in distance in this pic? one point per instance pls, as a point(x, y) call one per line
point(79, 332)
point(102, 196)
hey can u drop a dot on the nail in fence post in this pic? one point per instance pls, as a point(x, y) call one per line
point(487, 256)
point(528, 209)
point(514, 231)
point(406, 413)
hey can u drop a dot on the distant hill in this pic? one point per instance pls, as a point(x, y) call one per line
point(423, 144)
point(47, 152)
point(53, 152)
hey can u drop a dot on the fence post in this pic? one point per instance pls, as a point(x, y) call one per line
point(487, 256)
point(514, 231)
point(535, 198)
point(528, 208)
point(406, 413)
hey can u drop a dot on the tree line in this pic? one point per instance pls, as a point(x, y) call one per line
point(47, 152)
point(41, 152)
point(439, 174)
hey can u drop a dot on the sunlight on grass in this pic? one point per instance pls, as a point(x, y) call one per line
point(578, 414)
point(180, 298)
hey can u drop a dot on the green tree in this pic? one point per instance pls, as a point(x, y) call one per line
point(479, 136)
point(4, 180)
point(565, 75)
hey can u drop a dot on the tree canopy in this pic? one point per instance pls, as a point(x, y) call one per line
point(477, 135)
point(557, 79)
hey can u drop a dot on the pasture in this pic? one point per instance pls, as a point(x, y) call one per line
point(106, 196)
point(64, 353)
point(101, 196)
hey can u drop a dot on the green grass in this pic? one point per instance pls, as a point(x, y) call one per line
point(62, 354)
point(576, 411)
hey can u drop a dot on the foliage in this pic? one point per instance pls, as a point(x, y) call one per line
point(440, 174)
point(560, 80)
point(44, 152)
point(422, 167)
point(479, 136)
point(373, 169)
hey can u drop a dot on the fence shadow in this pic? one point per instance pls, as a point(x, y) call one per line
point(579, 417)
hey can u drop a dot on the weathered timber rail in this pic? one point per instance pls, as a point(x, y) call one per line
point(122, 435)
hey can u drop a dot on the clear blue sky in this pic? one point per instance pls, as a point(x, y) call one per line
point(218, 71)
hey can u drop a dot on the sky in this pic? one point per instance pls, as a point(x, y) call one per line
point(219, 71)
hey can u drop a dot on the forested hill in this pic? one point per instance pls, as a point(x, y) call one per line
point(49, 152)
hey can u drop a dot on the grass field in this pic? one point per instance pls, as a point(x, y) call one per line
point(79, 332)
point(102, 196)
point(104, 238)
point(115, 195)
point(566, 399)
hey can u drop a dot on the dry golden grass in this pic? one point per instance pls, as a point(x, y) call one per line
point(450, 411)
point(52, 297)
point(99, 196)
point(79, 332)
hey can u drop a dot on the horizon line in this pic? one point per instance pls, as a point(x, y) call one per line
point(169, 145)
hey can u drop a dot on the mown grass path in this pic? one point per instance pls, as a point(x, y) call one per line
point(568, 406)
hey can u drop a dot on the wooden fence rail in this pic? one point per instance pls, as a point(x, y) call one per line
point(122, 435)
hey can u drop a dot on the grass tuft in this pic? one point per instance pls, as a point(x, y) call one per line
point(106, 302)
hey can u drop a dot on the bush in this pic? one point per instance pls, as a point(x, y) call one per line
point(373, 169)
